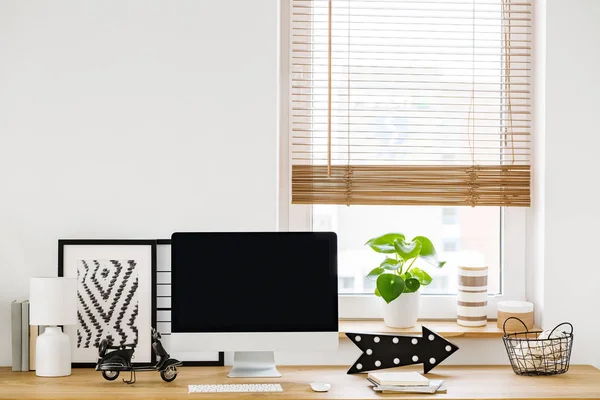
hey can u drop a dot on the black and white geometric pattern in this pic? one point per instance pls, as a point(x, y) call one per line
point(107, 302)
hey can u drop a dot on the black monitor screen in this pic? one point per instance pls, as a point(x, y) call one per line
point(254, 282)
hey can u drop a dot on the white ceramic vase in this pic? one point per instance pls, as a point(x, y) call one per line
point(402, 312)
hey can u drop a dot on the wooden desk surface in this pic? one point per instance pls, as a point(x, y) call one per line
point(465, 382)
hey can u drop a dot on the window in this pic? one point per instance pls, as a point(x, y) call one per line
point(368, 285)
point(494, 236)
point(450, 246)
point(408, 102)
point(478, 230)
point(450, 215)
point(346, 284)
point(406, 110)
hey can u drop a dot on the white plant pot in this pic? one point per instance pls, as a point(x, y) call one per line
point(402, 312)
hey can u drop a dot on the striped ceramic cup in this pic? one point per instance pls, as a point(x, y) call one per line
point(472, 296)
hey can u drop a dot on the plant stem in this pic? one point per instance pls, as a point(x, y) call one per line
point(411, 264)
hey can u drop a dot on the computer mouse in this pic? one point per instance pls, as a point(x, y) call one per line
point(320, 386)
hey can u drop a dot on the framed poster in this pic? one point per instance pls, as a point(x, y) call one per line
point(163, 312)
point(116, 295)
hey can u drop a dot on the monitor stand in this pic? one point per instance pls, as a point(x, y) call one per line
point(254, 364)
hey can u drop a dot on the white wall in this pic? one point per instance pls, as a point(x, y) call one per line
point(131, 119)
point(572, 140)
point(137, 118)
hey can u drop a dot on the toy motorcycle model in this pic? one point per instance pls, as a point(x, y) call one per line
point(113, 362)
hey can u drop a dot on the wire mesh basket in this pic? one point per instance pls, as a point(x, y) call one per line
point(531, 355)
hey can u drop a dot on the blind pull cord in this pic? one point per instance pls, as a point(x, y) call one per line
point(348, 172)
point(329, 85)
point(473, 176)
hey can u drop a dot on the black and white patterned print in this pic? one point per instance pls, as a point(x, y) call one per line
point(107, 302)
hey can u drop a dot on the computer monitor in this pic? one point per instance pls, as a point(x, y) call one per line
point(254, 293)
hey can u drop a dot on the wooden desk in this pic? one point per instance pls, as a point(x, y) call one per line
point(472, 382)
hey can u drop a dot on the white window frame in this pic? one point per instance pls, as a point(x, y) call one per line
point(292, 217)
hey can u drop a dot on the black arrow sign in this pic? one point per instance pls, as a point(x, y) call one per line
point(388, 351)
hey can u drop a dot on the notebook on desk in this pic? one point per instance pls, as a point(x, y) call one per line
point(398, 378)
point(434, 386)
point(404, 382)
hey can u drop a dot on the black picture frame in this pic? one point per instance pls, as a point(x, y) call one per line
point(62, 243)
point(199, 363)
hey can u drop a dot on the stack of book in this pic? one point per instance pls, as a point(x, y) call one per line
point(24, 337)
point(404, 382)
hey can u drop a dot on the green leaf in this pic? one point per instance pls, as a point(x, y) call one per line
point(390, 286)
point(385, 243)
point(390, 264)
point(377, 292)
point(375, 273)
point(407, 250)
point(406, 275)
point(422, 276)
point(428, 252)
point(412, 285)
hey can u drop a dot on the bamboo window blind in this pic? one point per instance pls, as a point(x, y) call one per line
point(411, 102)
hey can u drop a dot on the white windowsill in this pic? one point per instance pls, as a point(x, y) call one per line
point(445, 328)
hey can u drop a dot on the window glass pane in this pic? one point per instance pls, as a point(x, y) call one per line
point(461, 236)
point(346, 284)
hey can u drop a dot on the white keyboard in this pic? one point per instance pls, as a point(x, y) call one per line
point(232, 388)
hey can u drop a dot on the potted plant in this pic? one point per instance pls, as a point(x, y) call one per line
point(398, 279)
